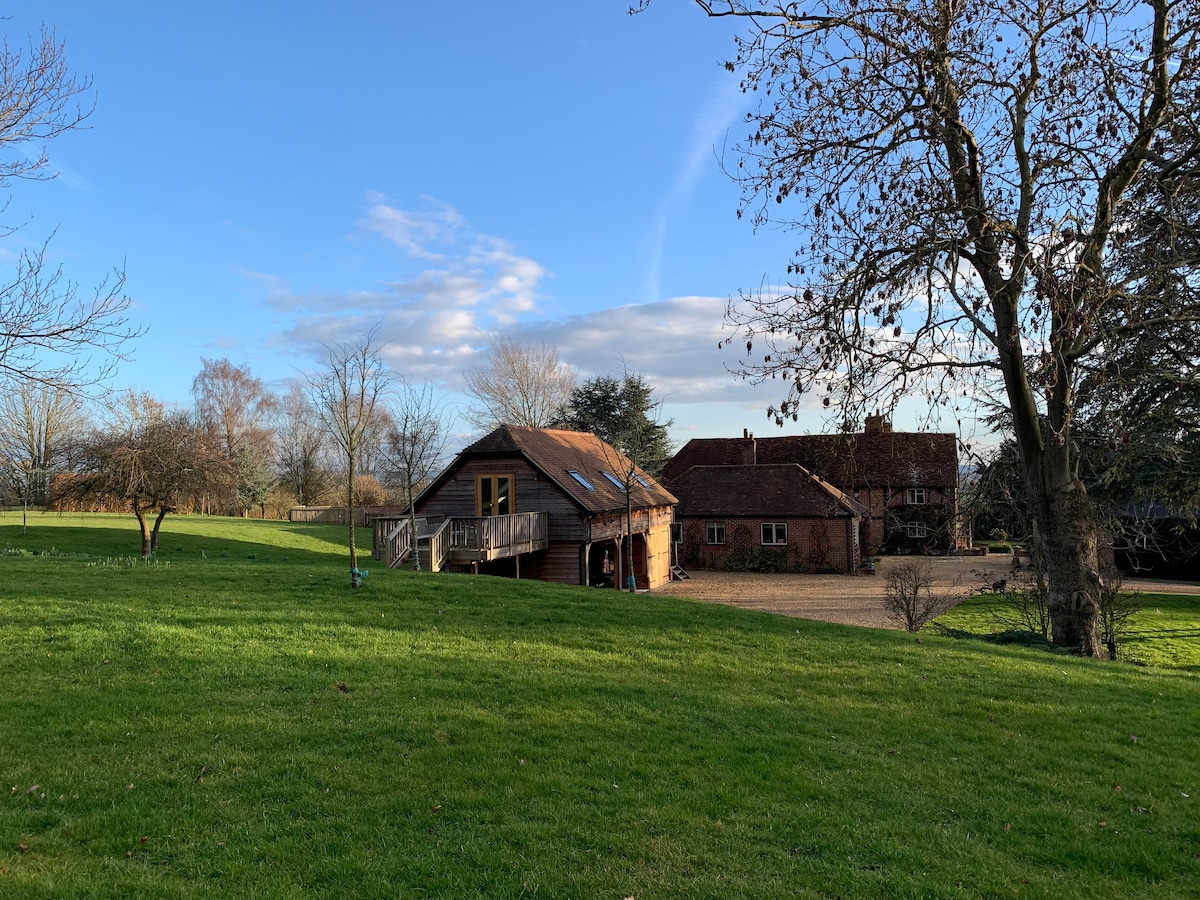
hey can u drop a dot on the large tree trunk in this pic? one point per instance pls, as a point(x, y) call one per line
point(1058, 505)
point(1068, 535)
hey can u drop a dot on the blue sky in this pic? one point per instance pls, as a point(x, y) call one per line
point(273, 175)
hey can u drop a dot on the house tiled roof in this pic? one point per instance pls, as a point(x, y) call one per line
point(558, 453)
point(879, 459)
point(775, 490)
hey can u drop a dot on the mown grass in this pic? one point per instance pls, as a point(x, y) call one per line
point(1164, 632)
point(246, 725)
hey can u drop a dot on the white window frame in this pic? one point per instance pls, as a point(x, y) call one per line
point(777, 528)
point(916, 496)
point(916, 530)
point(713, 530)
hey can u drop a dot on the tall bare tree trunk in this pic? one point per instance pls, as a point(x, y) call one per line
point(1068, 535)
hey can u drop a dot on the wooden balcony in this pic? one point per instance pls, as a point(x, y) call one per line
point(462, 541)
point(496, 537)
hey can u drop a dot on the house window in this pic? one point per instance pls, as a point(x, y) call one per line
point(494, 495)
point(915, 497)
point(916, 530)
point(716, 533)
point(774, 533)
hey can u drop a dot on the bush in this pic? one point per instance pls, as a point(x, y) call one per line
point(1116, 609)
point(909, 597)
point(1021, 601)
point(768, 561)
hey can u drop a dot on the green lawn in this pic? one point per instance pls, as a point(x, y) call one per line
point(1164, 632)
point(233, 721)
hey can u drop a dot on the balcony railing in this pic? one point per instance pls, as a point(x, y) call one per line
point(460, 540)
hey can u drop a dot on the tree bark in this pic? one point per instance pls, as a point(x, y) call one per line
point(142, 527)
point(355, 578)
point(1066, 529)
point(162, 514)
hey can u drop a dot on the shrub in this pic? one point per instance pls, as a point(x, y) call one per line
point(1116, 609)
point(1021, 600)
point(768, 561)
point(909, 598)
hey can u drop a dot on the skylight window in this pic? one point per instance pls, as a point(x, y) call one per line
point(642, 481)
point(613, 479)
point(587, 484)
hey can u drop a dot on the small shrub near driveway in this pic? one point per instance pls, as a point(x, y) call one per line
point(909, 597)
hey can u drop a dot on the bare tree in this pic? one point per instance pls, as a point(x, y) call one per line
point(233, 403)
point(38, 424)
point(416, 444)
point(302, 464)
point(346, 394)
point(49, 331)
point(161, 463)
point(236, 408)
point(958, 172)
point(520, 384)
point(909, 597)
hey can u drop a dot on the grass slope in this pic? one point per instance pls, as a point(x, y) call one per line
point(240, 723)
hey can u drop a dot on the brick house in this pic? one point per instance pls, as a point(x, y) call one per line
point(738, 515)
point(906, 481)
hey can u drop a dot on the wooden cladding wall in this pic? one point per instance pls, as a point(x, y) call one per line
point(532, 492)
point(560, 562)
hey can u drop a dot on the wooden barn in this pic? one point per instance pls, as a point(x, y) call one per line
point(543, 504)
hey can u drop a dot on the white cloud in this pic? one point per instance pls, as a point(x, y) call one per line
point(438, 321)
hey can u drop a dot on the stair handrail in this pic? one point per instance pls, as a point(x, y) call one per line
point(439, 546)
point(397, 543)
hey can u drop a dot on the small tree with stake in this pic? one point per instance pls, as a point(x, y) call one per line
point(346, 392)
point(415, 445)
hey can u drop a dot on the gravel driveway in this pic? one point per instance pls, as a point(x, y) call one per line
point(854, 599)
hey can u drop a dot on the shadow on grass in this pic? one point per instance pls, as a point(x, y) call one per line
point(180, 538)
point(1012, 637)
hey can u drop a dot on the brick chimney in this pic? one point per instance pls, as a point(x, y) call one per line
point(877, 424)
point(749, 449)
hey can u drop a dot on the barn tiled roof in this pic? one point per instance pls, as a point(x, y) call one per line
point(878, 459)
point(782, 490)
point(557, 453)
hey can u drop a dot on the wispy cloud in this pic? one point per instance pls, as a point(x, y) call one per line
point(724, 104)
point(438, 319)
point(415, 232)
